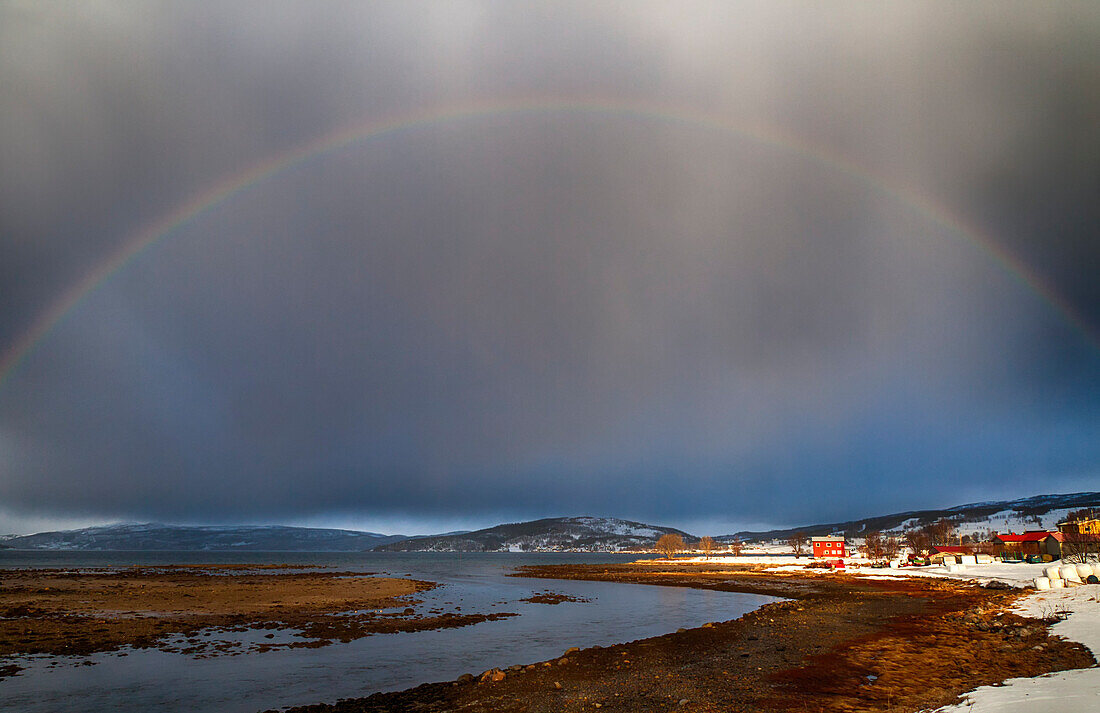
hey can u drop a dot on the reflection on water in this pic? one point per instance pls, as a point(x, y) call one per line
point(147, 680)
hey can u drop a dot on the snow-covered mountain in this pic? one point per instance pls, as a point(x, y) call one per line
point(155, 536)
point(576, 534)
point(1039, 512)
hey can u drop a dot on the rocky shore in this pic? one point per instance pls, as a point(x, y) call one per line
point(839, 644)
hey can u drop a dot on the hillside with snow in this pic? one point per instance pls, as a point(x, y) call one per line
point(1039, 512)
point(576, 534)
point(155, 536)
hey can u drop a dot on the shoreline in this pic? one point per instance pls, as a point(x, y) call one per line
point(838, 644)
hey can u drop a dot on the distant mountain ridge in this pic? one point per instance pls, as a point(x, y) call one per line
point(583, 534)
point(577, 534)
point(1036, 512)
point(155, 536)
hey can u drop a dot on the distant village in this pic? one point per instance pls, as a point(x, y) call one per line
point(1076, 539)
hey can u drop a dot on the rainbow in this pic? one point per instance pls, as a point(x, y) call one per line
point(233, 185)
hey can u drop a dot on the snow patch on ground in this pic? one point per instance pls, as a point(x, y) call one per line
point(1077, 690)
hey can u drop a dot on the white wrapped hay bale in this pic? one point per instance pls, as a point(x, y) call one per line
point(983, 559)
point(1057, 584)
point(1042, 582)
point(968, 559)
point(894, 564)
point(1053, 572)
point(1069, 573)
point(949, 561)
point(1084, 570)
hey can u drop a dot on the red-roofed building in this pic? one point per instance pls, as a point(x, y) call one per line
point(954, 549)
point(1033, 542)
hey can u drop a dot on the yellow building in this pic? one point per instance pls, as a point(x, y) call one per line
point(1080, 527)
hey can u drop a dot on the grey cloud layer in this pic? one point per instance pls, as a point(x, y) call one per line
point(546, 313)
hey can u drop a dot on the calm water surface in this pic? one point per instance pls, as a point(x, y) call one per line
point(154, 680)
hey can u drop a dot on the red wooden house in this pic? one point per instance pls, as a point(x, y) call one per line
point(829, 547)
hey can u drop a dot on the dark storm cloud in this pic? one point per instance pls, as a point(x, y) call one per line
point(545, 314)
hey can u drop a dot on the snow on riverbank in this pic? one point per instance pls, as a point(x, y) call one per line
point(1077, 690)
point(1017, 574)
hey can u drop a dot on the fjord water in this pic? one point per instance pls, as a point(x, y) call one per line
point(155, 680)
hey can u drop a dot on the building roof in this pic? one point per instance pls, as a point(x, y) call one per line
point(830, 539)
point(1031, 536)
point(954, 549)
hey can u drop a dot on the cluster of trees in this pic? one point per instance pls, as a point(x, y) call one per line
point(668, 545)
point(1081, 515)
point(940, 532)
point(879, 547)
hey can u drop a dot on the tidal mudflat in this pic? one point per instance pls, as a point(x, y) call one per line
point(192, 609)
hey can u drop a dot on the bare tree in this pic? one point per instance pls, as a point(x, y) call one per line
point(735, 547)
point(940, 532)
point(1078, 548)
point(918, 541)
point(669, 545)
point(797, 541)
point(707, 545)
point(890, 547)
point(873, 545)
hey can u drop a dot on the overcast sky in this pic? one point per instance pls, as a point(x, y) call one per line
point(508, 315)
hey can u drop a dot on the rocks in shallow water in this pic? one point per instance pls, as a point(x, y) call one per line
point(571, 650)
point(466, 678)
point(562, 661)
